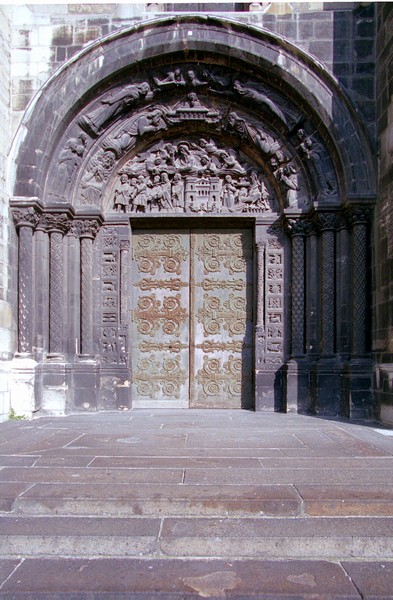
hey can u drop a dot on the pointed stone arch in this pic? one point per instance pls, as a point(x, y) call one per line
point(262, 138)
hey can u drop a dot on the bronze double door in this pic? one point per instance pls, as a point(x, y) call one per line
point(192, 318)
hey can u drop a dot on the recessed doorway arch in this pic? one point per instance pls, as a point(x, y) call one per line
point(200, 119)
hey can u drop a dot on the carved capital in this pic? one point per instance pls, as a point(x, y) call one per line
point(295, 227)
point(125, 245)
point(358, 215)
point(25, 217)
point(84, 228)
point(54, 222)
point(326, 221)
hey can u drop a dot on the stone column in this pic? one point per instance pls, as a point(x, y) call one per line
point(89, 230)
point(360, 365)
point(359, 218)
point(26, 220)
point(23, 371)
point(327, 225)
point(328, 382)
point(57, 226)
point(343, 289)
point(74, 295)
point(297, 229)
point(298, 377)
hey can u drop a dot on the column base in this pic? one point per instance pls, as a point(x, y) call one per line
point(327, 387)
point(270, 389)
point(298, 394)
point(359, 388)
point(22, 385)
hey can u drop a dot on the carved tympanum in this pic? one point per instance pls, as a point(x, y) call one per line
point(197, 176)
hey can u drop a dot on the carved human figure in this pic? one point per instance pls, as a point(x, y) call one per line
point(69, 160)
point(166, 193)
point(122, 194)
point(140, 200)
point(258, 195)
point(149, 121)
point(261, 139)
point(229, 193)
point(95, 178)
point(314, 152)
point(193, 80)
point(251, 94)
point(154, 194)
point(173, 78)
point(114, 105)
point(177, 193)
point(288, 176)
point(184, 161)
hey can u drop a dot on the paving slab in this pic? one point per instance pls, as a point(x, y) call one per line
point(70, 475)
point(9, 492)
point(184, 578)
point(294, 476)
point(374, 580)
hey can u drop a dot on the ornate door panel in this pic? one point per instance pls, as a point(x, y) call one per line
point(221, 319)
point(192, 319)
point(160, 315)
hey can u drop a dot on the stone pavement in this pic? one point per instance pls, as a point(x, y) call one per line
point(195, 504)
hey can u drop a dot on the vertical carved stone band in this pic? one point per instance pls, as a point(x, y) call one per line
point(260, 251)
point(124, 261)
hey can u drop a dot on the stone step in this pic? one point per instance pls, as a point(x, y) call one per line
point(166, 500)
point(263, 538)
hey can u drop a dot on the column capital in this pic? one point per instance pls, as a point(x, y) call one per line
point(85, 228)
point(358, 214)
point(296, 227)
point(25, 216)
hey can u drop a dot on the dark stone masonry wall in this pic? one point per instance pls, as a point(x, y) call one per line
point(383, 288)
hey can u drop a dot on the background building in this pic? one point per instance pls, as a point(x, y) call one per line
point(325, 324)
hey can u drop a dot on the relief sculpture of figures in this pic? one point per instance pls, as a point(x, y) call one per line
point(250, 93)
point(314, 152)
point(112, 106)
point(288, 176)
point(69, 160)
point(93, 180)
point(195, 176)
